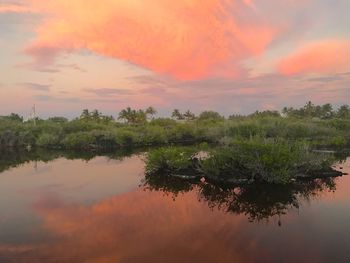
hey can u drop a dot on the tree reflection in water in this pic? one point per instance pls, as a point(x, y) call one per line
point(256, 201)
point(11, 159)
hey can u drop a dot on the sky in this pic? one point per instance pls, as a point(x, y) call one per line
point(231, 56)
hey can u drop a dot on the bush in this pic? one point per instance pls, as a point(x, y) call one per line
point(210, 115)
point(169, 160)
point(48, 140)
point(104, 139)
point(245, 129)
point(124, 137)
point(273, 161)
point(154, 135)
point(163, 122)
point(182, 133)
point(80, 140)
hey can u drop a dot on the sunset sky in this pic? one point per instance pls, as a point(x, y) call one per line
point(232, 56)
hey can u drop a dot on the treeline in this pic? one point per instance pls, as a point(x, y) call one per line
point(325, 111)
point(140, 127)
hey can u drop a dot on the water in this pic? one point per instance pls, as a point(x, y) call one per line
point(103, 209)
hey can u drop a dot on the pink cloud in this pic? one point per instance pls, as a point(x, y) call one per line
point(15, 8)
point(108, 240)
point(322, 57)
point(186, 39)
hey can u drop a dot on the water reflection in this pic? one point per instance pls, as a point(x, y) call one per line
point(166, 219)
point(257, 201)
point(14, 158)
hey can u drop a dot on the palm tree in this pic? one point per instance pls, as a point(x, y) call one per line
point(125, 114)
point(140, 116)
point(131, 116)
point(151, 111)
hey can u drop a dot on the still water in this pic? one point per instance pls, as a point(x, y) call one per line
point(103, 209)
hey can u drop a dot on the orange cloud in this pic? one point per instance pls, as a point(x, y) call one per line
point(186, 39)
point(329, 56)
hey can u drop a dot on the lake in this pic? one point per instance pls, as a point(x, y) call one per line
point(66, 208)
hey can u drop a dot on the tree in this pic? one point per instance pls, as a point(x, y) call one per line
point(309, 109)
point(343, 112)
point(132, 116)
point(266, 113)
point(177, 115)
point(210, 115)
point(126, 115)
point(107, 119)
point(95, 115)
point(151, 111)
point(189, 115)
point(288, 111)
point(140, 117)
point(85, 115)
point(327, 111)
point(14, 117)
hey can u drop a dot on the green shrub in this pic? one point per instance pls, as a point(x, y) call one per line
point(269, 160)
point(79, 140)
point(171, 159)
point(124, 137)
point(154, 135)
point(48, 140)
point(163, 122)
point(274, 161)
point(182, 133)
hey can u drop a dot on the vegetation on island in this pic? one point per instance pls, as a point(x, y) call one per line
point(243, 161)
